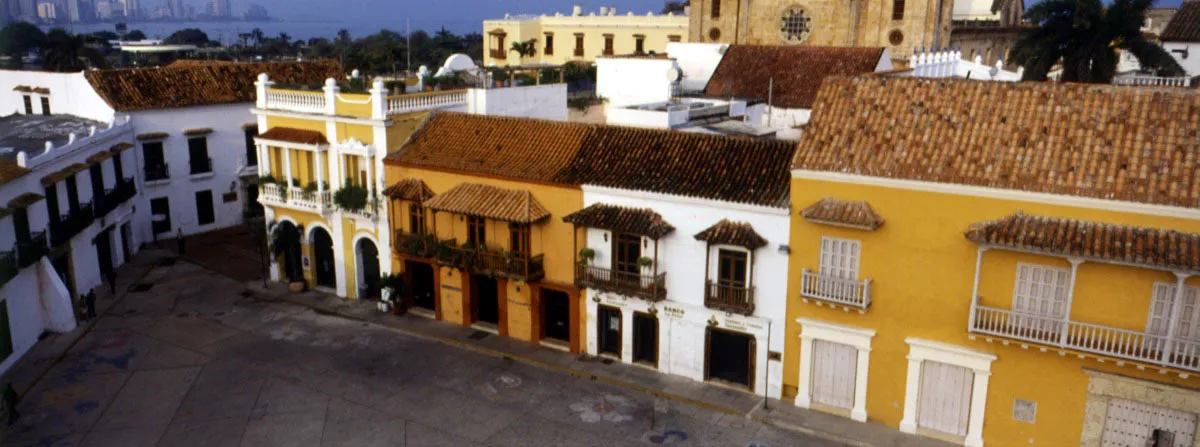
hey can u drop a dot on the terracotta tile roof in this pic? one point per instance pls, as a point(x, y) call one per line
point(1104, 142)
point(793, 74)
point(152, 136)
point(99, 157)
point(293, 135)
point(23, 89)
point(197, 132)
point(409, 189)
point(41, 90)
point(473, 199)
point(120, 147)
point(843, 213)
point(10, 170)
point(190, 85)
point(642, 221)
point(1151, 247)
point(727, 232)
point(24, 200)
point(733, 169)
point(1184, 25)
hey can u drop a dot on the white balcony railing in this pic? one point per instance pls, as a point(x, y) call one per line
point(1153, 81)
point(846, 292)
point(296, 101)
point(411, 103)
point(1086, 337)
point(271, 192)
point(309, 199)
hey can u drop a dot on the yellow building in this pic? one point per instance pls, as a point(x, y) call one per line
point(999, 263)
point(322, 178)
point(559, 39)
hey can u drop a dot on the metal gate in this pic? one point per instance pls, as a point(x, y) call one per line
point(1135, 424)
point(945, 398)
point(834, 367)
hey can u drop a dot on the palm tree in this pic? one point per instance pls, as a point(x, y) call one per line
point(65, 52)
point(285, 38)
point(1085, 37)
point(343, 36)
point(258, 35)
point(525, 49)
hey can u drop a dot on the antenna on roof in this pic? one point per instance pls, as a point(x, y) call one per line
point(770, 93)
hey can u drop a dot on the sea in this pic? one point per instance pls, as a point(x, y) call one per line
point(227, 32)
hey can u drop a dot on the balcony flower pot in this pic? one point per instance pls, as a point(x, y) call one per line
point(296, 286)
point(587, 254)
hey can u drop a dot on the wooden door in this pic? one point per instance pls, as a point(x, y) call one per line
point(1130, 423)
point(834, 367)
point(945, 398)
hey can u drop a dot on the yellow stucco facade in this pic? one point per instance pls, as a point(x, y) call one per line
point(520, 308)
point(922, 272)
point(580, 36)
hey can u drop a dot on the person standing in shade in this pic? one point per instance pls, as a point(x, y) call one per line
point(10, 401)
point(89, 301)
point(180, 242)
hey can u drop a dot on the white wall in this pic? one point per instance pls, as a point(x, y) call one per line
point(1191, 63)
point(624, 81)
point(698, 61)
point(547, 101)
point(70, 94)
point(226, 147)
point(681, 338)
point(785, 121)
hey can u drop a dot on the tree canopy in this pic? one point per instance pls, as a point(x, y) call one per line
point(20, 38)
point(1085, 38)
point(188, 36)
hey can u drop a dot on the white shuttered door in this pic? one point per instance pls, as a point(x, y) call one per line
point(1132, 424)
point(1041, 290)
point(1160, 311)
point(834, 367)
point(839, 258)
point(945, 398)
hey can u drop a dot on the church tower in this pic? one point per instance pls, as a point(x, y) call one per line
point(899, 25)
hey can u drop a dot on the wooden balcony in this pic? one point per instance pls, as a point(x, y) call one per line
point(1085, 337)
point(498, 53)
point(846, 292)
point(419, 246)
point(647, 287)
point(32, 250)
point(736, 299)
point(489, 263)
point(8, 266)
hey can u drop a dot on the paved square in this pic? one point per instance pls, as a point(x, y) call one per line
point(192, 362)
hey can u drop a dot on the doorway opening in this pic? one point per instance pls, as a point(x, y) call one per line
point(368, 269)
point(421, 285)
point(104, 253)
point(556, 316)
point(730, 357)
point(485, 300)
point(324, 268)
point(645, 339)
point(608, 331)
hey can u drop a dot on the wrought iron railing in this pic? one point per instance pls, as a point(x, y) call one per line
point(72, 224)
point(504, 265)
point(157, 172)
point(201, 165)
point(648, 287)
point(8, 266)
point(30, 251)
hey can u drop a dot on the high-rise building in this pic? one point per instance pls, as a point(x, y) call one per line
point(47, 11)
point(72, 7)
point(131, 8)
point(28, 9)
point(104, 10)
point(221, 8)
point(5, 13)
point(176, 8)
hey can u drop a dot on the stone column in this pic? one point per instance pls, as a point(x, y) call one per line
point(804, 386)
point(912, 389)
point(978, 403)
point(859, 412)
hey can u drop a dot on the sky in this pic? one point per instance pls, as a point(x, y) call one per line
point(456, 15)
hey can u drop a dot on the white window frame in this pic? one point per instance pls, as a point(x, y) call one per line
point(920, 350)
point(1163, 297)
point(1029, 294)
point(859, 338)
point(839, 258)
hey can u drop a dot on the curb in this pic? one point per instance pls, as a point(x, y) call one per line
point(554, 367)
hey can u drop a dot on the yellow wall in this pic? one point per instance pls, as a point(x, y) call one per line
point(656, 30)
point(353, 104)
point(922, 270)
point(551, 238)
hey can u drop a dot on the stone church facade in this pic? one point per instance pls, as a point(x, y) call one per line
point(902, 26)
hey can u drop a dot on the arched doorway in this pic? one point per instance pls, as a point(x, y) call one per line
point(285, 245)
point(368, 269)
point(324, 269)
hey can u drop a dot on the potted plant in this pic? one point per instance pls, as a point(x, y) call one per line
point(645, 262)
point(351, 198)
point(587, 254)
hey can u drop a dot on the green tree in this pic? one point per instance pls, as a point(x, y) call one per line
point(525, 49)
point(1085, 37)
point(674, 7)
point(258, 35)
point(187, 36)
point(135, 35)
point(18, 39)
point(67, 52)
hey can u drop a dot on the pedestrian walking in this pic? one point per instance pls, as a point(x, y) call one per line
point(180, 242)
point(111, 277)
point(10, 402)
point(90, 302)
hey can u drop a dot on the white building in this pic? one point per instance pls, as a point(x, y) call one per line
point(950, 64)
point(766, 90)
point(70, 202)
point(690, 278)
point(1181, 37)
